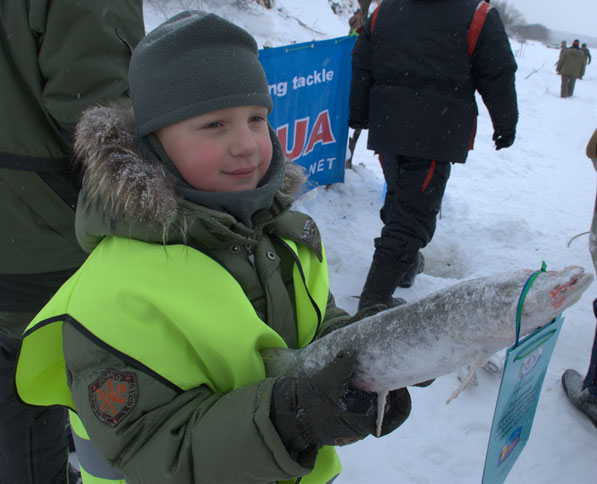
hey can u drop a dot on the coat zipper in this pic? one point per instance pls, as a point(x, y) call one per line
point(250, 255)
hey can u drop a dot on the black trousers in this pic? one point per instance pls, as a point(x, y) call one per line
point(415, 188)
point(33, 441)
point(590, 381)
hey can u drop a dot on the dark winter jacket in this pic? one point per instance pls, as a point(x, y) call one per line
point(197, 435)
point(572, 62)
point(414, 82)
point(587, 52)
point(57, 57)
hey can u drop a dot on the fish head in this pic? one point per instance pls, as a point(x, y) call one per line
point(550, 293)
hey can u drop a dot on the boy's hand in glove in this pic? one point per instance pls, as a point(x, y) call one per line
point(325, 409)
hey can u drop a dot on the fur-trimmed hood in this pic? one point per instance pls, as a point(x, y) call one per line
point(125, 193)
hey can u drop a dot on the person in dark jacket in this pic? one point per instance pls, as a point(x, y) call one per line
point(571, 66)
point(582, 392)
point(415, 69)
point(57, 57)
point(587, 52)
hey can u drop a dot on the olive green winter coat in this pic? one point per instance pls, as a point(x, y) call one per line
point(196, 436)
point(57, 57)
point(572, 62)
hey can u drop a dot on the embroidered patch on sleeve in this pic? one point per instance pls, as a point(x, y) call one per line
point(113, 396)
point(310, 235)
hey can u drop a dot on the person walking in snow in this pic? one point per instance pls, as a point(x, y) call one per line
point(571, 66)
point(56, 58)
point(415, 69)
point(582, 392)
point(585, 48)
point(197, 262)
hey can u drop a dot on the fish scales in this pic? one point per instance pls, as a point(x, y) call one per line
point(462, 324)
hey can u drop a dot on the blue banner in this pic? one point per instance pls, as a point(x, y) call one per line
point(310, 84)
point(522, 380)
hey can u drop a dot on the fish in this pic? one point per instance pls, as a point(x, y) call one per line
point(462, 324)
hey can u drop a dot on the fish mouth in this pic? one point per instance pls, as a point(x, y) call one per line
point(570, 291)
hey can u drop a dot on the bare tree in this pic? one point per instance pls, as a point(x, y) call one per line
point(168, 7)
point(266, 3)
point(509, 14)
point(532, 32)
point(364, 6)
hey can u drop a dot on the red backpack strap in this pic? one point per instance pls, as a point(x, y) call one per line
point(374, 18)
point(474, 31)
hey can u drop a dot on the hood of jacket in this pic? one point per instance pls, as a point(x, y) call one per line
point(125, 193)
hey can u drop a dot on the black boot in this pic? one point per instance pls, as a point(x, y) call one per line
point(412, 271)
point(572, 382)
point(381, 282)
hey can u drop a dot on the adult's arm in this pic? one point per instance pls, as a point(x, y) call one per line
point(361, 81)
point(493, 69)
point(84, 52)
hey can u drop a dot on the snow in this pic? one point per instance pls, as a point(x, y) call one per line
point(503, 211)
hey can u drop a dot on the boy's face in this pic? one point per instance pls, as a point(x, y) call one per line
point(222, 151)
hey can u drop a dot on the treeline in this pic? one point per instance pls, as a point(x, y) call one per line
point(514, 21)
point(516, 25)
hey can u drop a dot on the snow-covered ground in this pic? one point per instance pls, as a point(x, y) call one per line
point(502, 211)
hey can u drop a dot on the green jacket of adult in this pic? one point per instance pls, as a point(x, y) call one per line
point(57, 57)
point(572, 62)
point(178, 426)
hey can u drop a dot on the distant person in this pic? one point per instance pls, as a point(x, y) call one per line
point(355, 22)
point(415, 69)
point(571, 66)
point(587, 52)
point(563, 47)
point(582, 392)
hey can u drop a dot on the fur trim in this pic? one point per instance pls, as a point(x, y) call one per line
point(126, 184)
point(294, 179)
point(117, 175)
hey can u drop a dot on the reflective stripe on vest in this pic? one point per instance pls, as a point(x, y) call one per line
point(122, 280)
point(94, 468)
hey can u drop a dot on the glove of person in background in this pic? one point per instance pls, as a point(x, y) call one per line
point(325, 409)
point(358, 124)
point(503, 138)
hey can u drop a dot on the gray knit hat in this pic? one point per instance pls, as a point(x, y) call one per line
point(192, 64)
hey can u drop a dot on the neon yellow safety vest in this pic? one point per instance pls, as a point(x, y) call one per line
point(129, 274)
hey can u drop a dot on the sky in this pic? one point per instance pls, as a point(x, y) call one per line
point(575, 16)
point(503, 211)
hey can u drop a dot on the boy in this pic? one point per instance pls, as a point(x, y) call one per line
point(197, 263)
